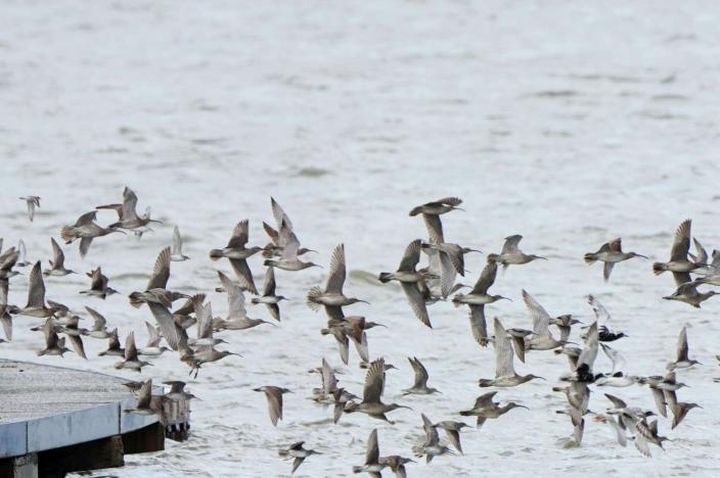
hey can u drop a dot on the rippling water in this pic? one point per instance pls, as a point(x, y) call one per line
point(570, 124)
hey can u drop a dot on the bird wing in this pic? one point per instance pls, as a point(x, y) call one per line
point(374, 382)
point(240, 235)
point(130, 348)
point(486, 279)
point(22, 250)
point(161, 271)
point(51, 338)
point(96, 279)
point(431, 433)
point(86, 218)
point(269, 282)
point(540, 317)
point(617, 359)
point(607, 270)
point(511, 245)
point(362, 347)
point(129, 204)
point(236, 298)
point(641, 442)
point(342, 343)
point(289, 242)
point(503, 352)
point(280, 215)
point(417, 302)
point(6, 321)
point(373, 452)
point(660, 402)
point(434, 228)
point(244, 274)
point(189, 306)
point(177, 241)
point(85, 243)
point(275, 404)
point(682, 345)
point(204, 321)
point(615, 245)
point(617, 402)
point(329, 380)
point(337, 270)
point(478, 325)
point(100, 321)
point(8, 259)
point(145, 395)
point(77, 345)
point(272, 233)
point(589, 352)
point(153, 335)
point(619, 432)
point(485, 400)
point(296, 463)
point(702, 255)
point(411, 256)
point(421, 373)
point(681, 244)
point(448, 273)
point(36, 290)
point(602, 316)
point(173, 334)
point(58, 255)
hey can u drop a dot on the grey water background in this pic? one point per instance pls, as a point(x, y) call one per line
point(568, 122)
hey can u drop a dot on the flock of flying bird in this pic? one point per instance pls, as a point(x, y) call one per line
point(422, 286)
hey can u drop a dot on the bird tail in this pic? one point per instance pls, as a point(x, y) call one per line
point(216, 254)
point(385, 277)
point(312, 296)
point(415, 211)
point(465, 413)
point(590, 258)
point(357, 469)
point(66, 233)
point(659, 268)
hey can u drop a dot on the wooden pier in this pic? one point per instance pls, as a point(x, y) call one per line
point(56, 420)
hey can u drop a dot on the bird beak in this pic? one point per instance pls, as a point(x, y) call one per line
point(364, 301)
point(523, 406)
point(507, 298)
point(458, 209)
point(312, 250)
point(640, 255)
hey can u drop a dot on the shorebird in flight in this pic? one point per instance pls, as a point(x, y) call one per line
point(610, 254)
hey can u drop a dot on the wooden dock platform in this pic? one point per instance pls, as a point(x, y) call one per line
point(56, 420)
